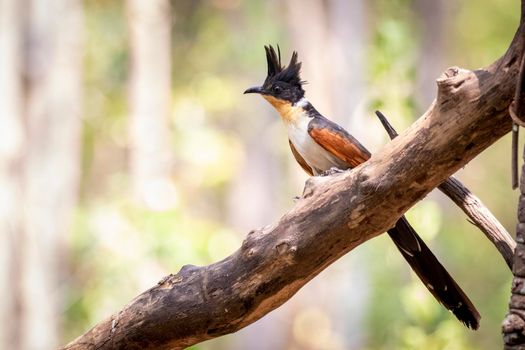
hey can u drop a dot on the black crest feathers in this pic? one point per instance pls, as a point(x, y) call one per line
point(276, 72)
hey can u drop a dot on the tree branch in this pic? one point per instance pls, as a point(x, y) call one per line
point(481, 217)
point(471, 205)
point(334, 215)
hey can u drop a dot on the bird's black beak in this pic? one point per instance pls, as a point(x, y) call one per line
point(254, 90)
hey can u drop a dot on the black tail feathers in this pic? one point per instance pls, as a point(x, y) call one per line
point(433, 275)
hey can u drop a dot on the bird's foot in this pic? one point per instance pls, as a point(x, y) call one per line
point(332, 171)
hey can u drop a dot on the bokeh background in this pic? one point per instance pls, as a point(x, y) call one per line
point(128, 150)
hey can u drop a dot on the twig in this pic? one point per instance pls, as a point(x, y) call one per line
point(517, 113)
point(471, 205)
point(514, 157)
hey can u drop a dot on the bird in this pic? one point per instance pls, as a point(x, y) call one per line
point(321, 146)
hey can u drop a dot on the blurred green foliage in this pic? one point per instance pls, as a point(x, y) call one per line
point(120, 249)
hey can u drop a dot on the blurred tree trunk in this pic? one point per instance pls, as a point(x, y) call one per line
point(149, 24)
point(336, 86)
point(308, 23)
point(259, 178)
point(431, 22)
point(348, 39)
point(262, 177)
point(11, 148)
point(51, 162)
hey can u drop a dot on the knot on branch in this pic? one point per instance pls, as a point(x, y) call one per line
point(518, 286)
point(312, 184)
point(169, 280)
point(188, 269)
point(286, 250)
point(450, 85)
point(249, 244)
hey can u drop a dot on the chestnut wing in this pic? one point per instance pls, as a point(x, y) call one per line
point(337, 141)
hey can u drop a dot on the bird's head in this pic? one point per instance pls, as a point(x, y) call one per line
point(283, 85)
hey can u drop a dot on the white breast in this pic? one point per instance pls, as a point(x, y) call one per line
point(315, 156)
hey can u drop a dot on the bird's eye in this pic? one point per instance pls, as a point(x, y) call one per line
point(276, 89)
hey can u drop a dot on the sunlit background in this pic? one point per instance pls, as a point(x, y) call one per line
point(127, 150)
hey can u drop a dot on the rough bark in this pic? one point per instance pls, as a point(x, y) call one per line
point(513, 327)
point(334, 215)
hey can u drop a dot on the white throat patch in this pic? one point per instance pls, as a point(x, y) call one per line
point(301, 103)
